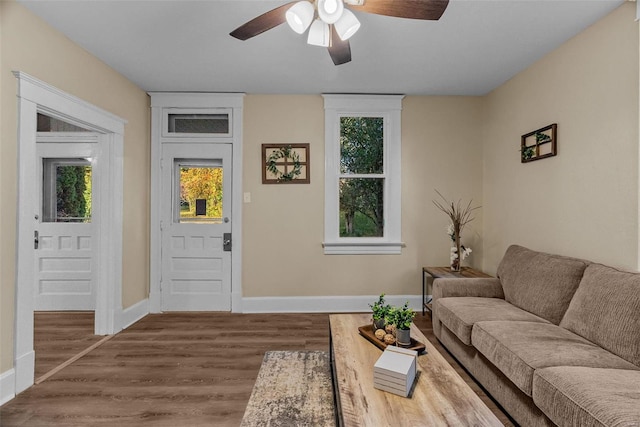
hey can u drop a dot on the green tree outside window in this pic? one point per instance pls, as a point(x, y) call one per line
point(361, 197)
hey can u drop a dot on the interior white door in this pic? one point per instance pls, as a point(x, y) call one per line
point(196, 227)
point(65, 238)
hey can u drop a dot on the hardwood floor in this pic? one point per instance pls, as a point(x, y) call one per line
point(177, 369)
point(58, 336)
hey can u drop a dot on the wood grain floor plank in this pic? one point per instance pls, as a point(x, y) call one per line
point(177, 369)
point(68, 362)
point(58, 336)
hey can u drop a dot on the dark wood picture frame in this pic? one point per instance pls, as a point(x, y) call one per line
point(539, 144)
point(286, 165)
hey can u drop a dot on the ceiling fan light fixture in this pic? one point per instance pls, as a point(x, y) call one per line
point(299, 16)
point(330, 10)
point(319, 34)
point(347, 25)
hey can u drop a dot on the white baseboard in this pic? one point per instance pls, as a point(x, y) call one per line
point(155, 302)
point(131, 315)
point(236, 302)
point(323, 304)
point(7, 386)
point(25, 368)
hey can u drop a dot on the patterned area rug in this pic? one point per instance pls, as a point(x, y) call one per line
point(293, 389)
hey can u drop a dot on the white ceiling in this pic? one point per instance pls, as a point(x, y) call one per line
point(180, 45)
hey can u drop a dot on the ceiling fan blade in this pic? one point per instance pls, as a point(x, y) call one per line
point(414, 9)
point(340, 50)
point(262, 23)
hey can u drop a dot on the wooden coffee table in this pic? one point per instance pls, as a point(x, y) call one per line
point(439, 398)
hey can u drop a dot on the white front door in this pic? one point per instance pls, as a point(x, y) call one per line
point(196, 227)
point(65, 240)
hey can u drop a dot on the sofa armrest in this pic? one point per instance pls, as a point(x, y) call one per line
point(486, 287)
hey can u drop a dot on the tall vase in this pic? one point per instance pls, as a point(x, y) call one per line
point(455, 253)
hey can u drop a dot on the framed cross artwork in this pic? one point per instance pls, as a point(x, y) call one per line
point(285, 164)
point(539, 144)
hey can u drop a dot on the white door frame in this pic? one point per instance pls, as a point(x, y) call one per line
point(164, 100)
point(35, 96)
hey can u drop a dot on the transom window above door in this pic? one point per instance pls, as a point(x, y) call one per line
point(196, 123)
point(51, 124)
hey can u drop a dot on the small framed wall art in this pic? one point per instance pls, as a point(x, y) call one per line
point(285, 164)
point(539, 144)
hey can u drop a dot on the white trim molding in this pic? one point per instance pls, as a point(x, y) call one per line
point(67, 107)
point(25, 366)
point(324, 304)
point(363, 248)
point(389, 108)
point(132, 314)
point(7, 386)
point(160, 101)
point(35, 96)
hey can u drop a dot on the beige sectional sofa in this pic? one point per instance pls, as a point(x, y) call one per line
point(555, 340)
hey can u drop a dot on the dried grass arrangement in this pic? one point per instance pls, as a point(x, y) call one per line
point(460, 215)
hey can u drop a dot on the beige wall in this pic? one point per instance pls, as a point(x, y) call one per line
point(584, 201)
point(30, 45)
point(283, 224)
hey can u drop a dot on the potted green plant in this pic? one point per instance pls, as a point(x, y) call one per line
point(402, 317)
point(380, 311)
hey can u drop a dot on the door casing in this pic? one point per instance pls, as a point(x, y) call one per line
point(160, 102)
point(36, 96)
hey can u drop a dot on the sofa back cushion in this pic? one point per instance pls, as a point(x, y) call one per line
point(606, 310)
point(540, 283)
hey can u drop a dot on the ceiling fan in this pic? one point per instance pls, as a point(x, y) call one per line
point(331, 24)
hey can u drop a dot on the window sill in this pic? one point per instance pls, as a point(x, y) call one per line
point(377, 248)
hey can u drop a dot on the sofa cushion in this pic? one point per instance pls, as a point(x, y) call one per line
point(519, 348)
point(606, 310)
point(459, 314)
point(588, 397)
point(538, 282)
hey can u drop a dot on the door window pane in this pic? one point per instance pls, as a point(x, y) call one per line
point(199, 123)
point(66, 195)
point(362, 207)
point(200, 193)
point(361, 145)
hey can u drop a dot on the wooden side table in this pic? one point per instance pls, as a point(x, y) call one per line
point(431, 273)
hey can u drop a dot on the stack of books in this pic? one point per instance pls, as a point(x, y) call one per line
point(395, 370)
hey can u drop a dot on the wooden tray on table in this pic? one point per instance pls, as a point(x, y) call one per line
point(368, 332)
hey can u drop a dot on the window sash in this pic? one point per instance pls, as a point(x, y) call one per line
point(384, 144)
point(359, 223)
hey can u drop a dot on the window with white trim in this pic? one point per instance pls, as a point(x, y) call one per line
point(362, 174)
